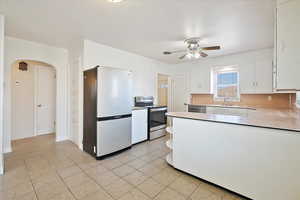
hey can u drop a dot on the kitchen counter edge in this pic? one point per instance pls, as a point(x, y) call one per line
point(235, 120)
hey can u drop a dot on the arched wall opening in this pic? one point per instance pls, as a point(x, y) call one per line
point(18, 49)
point(33, 99)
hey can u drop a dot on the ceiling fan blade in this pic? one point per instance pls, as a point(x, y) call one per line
point(211, 48)
point(182, 57)
point(171, 52)
point(203, 54)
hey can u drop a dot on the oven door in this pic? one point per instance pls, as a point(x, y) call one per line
point(157, 118)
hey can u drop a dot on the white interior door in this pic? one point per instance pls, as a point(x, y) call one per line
point(45, 100)
point(179, 93)
point(23, 96)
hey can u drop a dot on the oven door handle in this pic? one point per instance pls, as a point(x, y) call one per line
point(158, 109)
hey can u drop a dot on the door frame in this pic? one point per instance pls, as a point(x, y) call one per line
point(35, 100)
point(157, 86)
point(172, 91)
point(169, 88)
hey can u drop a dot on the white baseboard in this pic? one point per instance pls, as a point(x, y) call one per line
point(64, 138)
point(80, 146)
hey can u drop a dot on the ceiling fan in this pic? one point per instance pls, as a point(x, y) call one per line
point(194, 50)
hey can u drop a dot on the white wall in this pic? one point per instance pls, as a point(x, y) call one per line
point(144, 70)
point(75, 60)
point(242, 60)
point(1, 90)
point(17, 49)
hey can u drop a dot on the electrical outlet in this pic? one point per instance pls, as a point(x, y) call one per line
point(269, 98)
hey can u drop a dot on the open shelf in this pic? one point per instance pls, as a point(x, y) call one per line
point(169, 159)
point(169, 129)
point(169, 143)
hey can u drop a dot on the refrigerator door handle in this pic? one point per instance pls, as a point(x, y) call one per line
point(113, 117)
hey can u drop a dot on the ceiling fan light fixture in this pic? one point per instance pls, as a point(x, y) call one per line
point(194, 49)
point(197, 55)
point(189, 56)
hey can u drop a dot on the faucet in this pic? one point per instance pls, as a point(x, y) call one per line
point(226, 99)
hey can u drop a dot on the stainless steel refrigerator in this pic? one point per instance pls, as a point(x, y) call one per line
point(108, 105)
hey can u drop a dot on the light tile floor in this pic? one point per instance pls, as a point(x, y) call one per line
point(41, 169)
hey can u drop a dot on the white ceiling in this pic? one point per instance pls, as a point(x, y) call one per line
point(145, 27)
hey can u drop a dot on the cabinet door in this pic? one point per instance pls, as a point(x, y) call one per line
point(247, 79)
point(288, 43)
point(200, 81)
point(264, 76)
point(139, 125)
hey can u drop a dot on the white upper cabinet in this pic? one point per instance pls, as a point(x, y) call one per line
point(257, 78)
point(247, 79)
point(263, 76)
point(288, 45)
point(200, 80)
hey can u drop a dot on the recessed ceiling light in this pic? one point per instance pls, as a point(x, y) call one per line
point(115, 1)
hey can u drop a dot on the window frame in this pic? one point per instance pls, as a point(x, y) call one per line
point(221, 70)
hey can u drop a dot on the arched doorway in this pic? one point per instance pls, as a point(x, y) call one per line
point(33, 99)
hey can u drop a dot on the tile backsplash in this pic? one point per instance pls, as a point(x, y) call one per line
point(287, 100)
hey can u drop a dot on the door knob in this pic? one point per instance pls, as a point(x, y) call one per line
point(40, 105)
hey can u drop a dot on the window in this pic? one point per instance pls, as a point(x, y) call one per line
point(226, 84)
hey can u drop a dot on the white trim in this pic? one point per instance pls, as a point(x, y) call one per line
point(7, 149)
point(35, 71)
point(2, 40)
point(220, 70)
point(61, 138)
point(36, 92)
point(168, 87)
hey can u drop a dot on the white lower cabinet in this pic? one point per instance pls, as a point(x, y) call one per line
point(139, 126)
point(244, 159)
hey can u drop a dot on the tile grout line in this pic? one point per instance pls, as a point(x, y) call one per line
point(34, 190)
point(65, 183)
point(152, 151)
point(96, 181)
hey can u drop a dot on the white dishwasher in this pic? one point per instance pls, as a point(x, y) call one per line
point(139, 125)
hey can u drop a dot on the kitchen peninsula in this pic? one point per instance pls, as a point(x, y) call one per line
point(256, 156)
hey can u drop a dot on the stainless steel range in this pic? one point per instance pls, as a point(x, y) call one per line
point(157, 120)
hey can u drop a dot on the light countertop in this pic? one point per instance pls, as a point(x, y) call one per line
point(225, 106)
point(138, 108)
point(285, 119)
